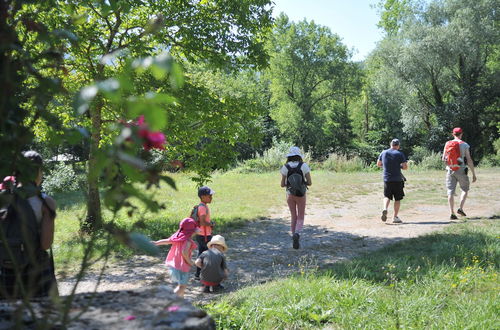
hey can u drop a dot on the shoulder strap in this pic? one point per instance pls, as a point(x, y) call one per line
point(44, 202)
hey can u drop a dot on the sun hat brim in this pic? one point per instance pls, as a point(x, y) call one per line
point(219, 241)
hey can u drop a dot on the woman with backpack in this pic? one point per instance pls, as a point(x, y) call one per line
point(27, 229)
point(296, 176)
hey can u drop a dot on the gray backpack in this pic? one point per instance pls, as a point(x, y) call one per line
point(296, 185)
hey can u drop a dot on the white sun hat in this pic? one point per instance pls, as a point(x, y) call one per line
point(294, 151)
point(219, 240)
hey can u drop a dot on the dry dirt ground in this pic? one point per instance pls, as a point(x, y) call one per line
point(261, 250)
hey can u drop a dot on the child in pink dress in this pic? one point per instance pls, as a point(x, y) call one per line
point(179, 257)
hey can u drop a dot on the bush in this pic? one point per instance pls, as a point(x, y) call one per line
point(342, 163)
point(270, 160)
point(367, 152)
point(419, 153)
point(490, 161)
point(63, 178)
point(432, 162)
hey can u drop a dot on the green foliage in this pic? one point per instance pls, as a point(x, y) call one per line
point(433, 161)
point(343, 163)
point(436, 281)
point(62, 178)
point(312, 84)
point(492, 160)
point(437, 65)
point(271, 160)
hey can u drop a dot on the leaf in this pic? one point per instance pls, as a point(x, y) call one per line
point(109, 85)
point(169, 181)
point(134, 161)
point(83, 99)
point(176, 76)
point(142, 242)
point(133, 174)
point(65, 34)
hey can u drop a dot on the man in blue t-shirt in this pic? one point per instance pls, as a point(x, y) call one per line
point(392, 161)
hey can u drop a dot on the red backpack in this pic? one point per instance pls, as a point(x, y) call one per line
point(452, 154)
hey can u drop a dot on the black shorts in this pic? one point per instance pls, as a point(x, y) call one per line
point(394, 189)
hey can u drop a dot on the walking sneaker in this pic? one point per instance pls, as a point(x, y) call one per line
point(295, 239)
point(197, 277)
point(461, 212)
point(219, 287)
point(396, 220)
point(453, 217)
point(384, 215)
point(206, 289)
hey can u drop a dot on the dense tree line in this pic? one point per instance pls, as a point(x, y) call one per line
point(235, 80)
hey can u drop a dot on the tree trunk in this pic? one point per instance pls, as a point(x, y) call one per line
point(94, 218)
point(367, 119)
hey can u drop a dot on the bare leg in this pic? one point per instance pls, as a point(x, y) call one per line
point(301, 210)
point(397, 204)
point(179, 290)
point(387, 201)
point(292, 205)
point(451, 203)
point(463, 197)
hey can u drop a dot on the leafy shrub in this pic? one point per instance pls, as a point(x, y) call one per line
point(62, 178)
point(492, 160)
point(270, 160)
point(432, 162)
point(367, 152)
point(342, 163)
point(419, 153)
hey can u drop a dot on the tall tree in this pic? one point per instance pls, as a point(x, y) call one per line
point(441, 59)
point(220, 32)
point(308, 70)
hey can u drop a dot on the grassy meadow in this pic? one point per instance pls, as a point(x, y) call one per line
point(443, 280)
point(242, 197)
point(447, 280)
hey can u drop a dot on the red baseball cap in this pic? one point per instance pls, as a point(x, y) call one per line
point(457, 130)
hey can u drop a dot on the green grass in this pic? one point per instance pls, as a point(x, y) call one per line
point(242, 197)
point(239, 198)
point(442, 281)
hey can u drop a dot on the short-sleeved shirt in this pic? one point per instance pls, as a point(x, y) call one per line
point(304, 168)
point(175, 258)
point(204, 210)
point(464, 146)
point(214, 264)
point(392, 160)
point(36, 204)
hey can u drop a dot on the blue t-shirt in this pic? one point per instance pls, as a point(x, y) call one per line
point(392, 160)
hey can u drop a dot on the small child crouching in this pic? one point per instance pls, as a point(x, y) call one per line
point(213, 264)
point(179, 257)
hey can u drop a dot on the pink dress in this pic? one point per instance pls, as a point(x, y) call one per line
point(175, 258)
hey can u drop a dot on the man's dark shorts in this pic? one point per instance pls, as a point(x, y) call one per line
point(394, 189)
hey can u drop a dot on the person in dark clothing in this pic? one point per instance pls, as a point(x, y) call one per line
point(213, 264)
point(393, 161)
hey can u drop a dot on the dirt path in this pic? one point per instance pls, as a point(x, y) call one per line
point(261, 250)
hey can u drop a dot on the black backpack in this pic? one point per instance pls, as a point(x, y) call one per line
point(296, 184)
point(22, 260)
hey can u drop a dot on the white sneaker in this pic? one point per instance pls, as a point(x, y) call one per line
point(396, 220)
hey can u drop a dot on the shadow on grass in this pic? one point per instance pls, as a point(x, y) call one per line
point(428, 253)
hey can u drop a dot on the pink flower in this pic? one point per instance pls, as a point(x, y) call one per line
point(141, 121)
point(129, 318)
point(150, 139)
point(173, 308)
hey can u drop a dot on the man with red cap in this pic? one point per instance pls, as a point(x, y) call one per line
point(458, 173)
